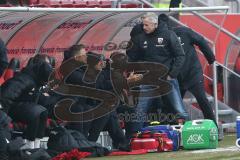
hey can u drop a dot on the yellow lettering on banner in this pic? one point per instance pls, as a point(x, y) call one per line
point(161, 5)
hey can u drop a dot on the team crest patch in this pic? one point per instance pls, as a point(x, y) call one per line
point(160, 40)
point(145, 44)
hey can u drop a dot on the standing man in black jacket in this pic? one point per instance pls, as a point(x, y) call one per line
point(157, 44)
point(191, 76)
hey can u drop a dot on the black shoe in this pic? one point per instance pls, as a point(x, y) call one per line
point(124, 147)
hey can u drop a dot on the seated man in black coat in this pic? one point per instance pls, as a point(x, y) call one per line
point(20, 104)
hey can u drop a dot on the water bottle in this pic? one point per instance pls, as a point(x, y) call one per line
point(238, 131)
point(238, 127)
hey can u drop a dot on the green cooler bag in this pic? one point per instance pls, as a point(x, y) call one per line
point(200, 134)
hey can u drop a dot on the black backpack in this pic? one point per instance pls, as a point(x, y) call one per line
point(60, 140)
point(88, 146)
point(63, 140)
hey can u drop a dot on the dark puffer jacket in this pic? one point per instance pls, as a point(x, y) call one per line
point(17, 88)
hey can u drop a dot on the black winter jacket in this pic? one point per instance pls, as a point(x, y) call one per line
point(17, 88)
point(191, 71)
point(77, 78)
point(161, 46)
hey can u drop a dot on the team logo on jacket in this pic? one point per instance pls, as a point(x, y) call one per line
point(145, 44)
point(160, 41)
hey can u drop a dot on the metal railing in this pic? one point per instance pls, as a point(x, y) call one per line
point(237, 4)
point(219, 27)
point(187, 9)
point(195, 2)
point(215, 80)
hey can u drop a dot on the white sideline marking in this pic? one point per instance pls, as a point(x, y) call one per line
point(233, 148)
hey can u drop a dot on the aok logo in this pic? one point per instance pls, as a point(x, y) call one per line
point(195, 139)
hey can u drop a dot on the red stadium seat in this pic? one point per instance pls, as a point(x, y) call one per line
point(92, 3)
point(6, 5)
point(130, 5)
point(105, 4)
point(67, 4)
point(53, 3)
point(10, 71)
point(36, 3)
point(80, 4)
point(146, 6)
point(30, 2)
point(1, 80)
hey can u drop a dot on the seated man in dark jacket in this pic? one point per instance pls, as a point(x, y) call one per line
point(18, 102)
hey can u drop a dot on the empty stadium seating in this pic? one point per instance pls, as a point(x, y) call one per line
point(80, 4)
point(71, 3)
point(67, 4)
point(36, 3)
point(105, 4)
point(6, 5)
point(130, 5)
point(53, 3)
point(92, 3)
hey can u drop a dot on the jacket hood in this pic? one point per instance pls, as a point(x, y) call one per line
point(39, 71)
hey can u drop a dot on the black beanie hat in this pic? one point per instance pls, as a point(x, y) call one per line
point(163, 18)
point(93, 58)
